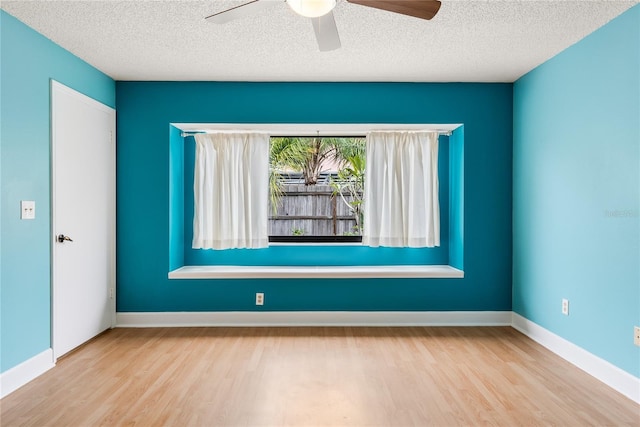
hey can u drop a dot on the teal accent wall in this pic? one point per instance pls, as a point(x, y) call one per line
point(147, 250)
point(576, 194)
point(456, 200)
point(28, 62)
point(177, 191)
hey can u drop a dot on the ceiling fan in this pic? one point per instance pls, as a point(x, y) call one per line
point(320, 12)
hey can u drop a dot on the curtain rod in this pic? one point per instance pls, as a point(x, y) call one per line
point(325, 133)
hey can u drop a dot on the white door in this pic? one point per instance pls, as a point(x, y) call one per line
point(83, 218)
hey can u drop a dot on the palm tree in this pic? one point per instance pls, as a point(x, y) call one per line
point(307, 155)
point(350, 182)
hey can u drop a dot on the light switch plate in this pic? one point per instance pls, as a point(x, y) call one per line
point(27, 209)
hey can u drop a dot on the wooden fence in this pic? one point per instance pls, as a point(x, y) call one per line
point(311, 210)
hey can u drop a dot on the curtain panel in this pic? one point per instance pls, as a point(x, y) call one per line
point(231, 191)
point(401, 206)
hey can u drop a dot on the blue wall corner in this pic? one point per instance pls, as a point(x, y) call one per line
point(456, 202)
point(176, 198)
point(576, 210)
point(28, 62)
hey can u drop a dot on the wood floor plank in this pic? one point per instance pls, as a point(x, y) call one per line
point(411, 376)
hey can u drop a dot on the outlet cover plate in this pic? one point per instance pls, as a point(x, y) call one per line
point(27, 209)
point(636, 335)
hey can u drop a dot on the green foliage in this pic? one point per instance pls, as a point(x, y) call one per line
point(350, 181)
point(355, 231)
point(307, 155)
point(297, 231)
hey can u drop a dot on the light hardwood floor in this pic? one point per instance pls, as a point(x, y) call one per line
point(315, 377)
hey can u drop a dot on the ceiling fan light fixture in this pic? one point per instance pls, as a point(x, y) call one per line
point(312, 8)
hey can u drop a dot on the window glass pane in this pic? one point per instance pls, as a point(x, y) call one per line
point(316, 188)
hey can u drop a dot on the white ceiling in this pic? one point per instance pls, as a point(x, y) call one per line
point(468, 41)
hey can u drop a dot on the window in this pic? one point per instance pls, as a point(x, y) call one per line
point(181, 203)
point(315, 189)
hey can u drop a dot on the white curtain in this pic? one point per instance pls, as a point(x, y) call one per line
point(401, 206)
point(231, 191)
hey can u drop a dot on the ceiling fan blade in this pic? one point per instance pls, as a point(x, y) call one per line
point(247, 9)
point(326, 32)
point(424, 9)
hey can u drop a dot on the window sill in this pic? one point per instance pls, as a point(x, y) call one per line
point(315, 272)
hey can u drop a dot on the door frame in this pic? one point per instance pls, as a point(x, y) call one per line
point(57, 87)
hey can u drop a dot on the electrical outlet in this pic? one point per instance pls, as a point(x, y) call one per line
point(259, 298)
point(636, 335)
point(565, 306)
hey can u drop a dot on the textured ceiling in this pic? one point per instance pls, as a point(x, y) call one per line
point(477, 40)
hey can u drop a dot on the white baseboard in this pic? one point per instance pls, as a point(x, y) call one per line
point(314, 318)
point(611, 375)
point(28, 370)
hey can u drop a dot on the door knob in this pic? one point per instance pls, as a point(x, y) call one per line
point(62, 238)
